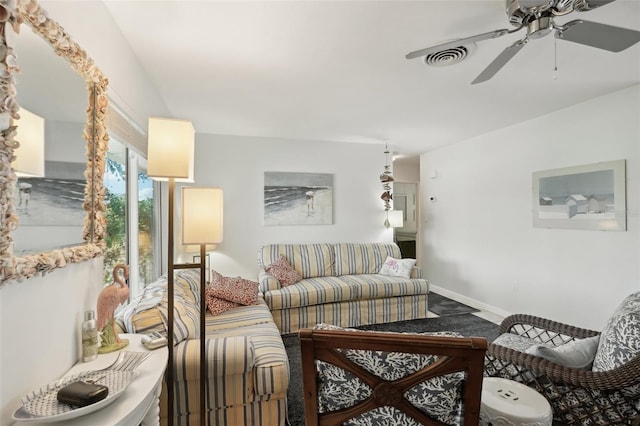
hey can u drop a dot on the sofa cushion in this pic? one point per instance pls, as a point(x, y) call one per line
point(310, 260)
point(283, 272)
point(320, 290)
point(241, 316)
point(620, 339)
point(363, 258)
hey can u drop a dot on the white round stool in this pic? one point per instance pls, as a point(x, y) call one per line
point(507, 402)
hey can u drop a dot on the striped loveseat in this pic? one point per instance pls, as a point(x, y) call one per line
point(248, 367)
point(340, 285)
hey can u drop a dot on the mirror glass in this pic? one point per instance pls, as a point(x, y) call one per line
point(405, 199)
point(50, 208)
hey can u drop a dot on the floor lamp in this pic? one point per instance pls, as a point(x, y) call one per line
point(202, 225)
point(170, 151)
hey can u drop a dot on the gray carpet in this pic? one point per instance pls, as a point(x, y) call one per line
point(444, 306)
point(457, 319)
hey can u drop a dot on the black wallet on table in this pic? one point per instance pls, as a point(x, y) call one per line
point(82, 393)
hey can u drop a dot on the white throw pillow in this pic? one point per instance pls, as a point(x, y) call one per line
point(397, 267)
point(575, 354)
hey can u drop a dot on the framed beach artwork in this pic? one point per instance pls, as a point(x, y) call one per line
point(54, 200)
point(591, 196)
point(298, 198)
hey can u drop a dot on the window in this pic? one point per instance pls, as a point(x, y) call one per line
point(115, 184)
point(130, 201)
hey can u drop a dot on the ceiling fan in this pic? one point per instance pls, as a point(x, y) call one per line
point(537, 17)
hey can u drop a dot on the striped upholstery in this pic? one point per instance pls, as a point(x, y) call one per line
point(309, 260)
point(316, 291)
point(363, 258)
point(352, 313)
point(354, 294)
point(266, 282)
point(148, 312)
point(248, 367)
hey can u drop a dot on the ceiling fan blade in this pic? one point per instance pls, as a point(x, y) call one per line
point(586, 5)
point(457, 43)
point(602, 36)
point(500, 61)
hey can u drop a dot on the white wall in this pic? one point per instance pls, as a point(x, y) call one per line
point(91, 25)
point(40, 322)
point(237, 164)
point(478, 236)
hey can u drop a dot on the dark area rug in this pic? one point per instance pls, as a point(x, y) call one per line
point(444, 306)
point(464, 323)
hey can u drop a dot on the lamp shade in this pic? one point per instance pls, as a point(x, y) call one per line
point(396, 219)
point(30, 155)
point(201, 215)
point(170, 149)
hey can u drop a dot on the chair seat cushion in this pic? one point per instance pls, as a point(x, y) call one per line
point(517, 342)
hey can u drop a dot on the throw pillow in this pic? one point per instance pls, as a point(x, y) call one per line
point(283, 272)
point(218, 306)
point(620, 339)
point(575, 354)
point(238, 290)
point(397, 267)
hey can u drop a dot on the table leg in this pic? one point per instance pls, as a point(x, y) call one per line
point(152, 418)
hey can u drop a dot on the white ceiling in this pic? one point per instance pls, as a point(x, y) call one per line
point(336, 70)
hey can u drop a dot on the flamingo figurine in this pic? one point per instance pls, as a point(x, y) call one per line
point(108, 300)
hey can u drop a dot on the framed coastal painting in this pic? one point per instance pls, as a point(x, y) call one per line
point(54, 200)
point(591, 196)
point(298, 198)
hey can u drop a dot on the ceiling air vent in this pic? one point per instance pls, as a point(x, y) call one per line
point(450, 56)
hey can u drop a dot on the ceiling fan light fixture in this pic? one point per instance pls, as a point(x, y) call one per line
point(450, 56)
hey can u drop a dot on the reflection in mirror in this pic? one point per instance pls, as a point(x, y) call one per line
point(18, 267)
point(50, 206)
point(405, 199)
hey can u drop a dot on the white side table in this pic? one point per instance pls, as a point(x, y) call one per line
point(507, 402)
point(139, 403)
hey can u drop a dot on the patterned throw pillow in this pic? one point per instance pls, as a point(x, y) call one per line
point(218, 306)
point(283, 272)
point(620, 339)
point(397, 267)
point(238, 290)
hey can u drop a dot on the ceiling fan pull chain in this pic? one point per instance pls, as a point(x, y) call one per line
point(555, 58)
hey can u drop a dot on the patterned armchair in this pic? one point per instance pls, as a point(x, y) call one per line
point(353, 377)
point(590, 384)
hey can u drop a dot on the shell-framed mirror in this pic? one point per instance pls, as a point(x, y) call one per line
point(27, 15)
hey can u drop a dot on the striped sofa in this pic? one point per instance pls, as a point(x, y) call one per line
point(340, 285)
point(248, 366)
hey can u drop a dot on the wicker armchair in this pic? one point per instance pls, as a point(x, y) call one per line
point(577, 396)
point(353, 377)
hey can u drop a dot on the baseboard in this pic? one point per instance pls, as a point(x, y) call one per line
point(468, 300)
